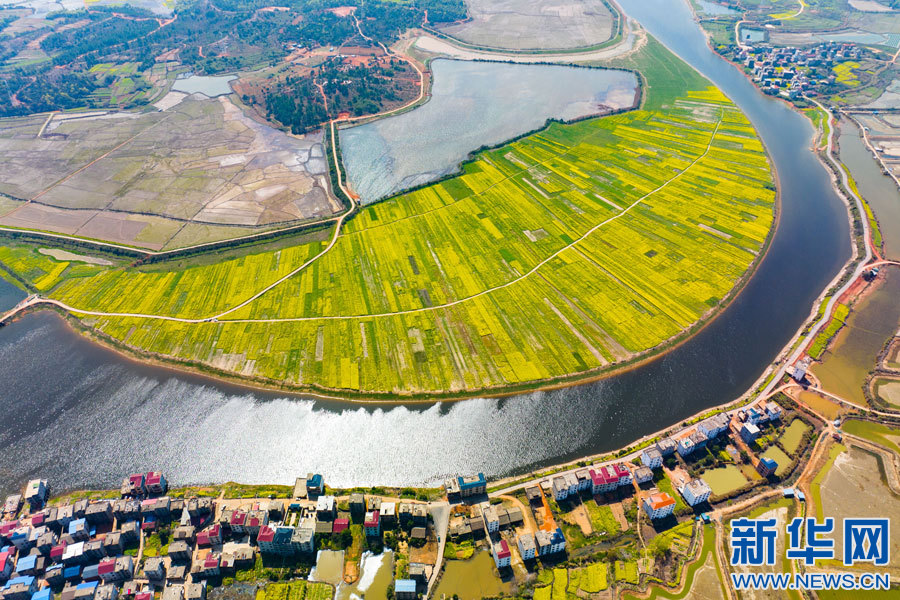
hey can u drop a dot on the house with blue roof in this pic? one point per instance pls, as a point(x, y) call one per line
point(78, 529)
point(405, 589)
point(315, 485)
point(766, 466)
point(20, 588)
point(26, 565)
point(43, 594)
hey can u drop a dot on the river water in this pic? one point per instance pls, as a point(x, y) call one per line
point(83, 416)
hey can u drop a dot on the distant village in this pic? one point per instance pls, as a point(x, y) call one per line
point(100, 548)
point(794, 72)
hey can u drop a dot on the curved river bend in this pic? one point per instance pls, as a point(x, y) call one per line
point(82, 416)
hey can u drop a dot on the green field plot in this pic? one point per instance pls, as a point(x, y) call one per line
point(590, 579)
point(570, 251)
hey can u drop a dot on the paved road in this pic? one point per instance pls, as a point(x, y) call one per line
point(440, 512)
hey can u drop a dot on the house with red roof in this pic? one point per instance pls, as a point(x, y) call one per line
point(623, 473)
point(156, 483)
point(134, 485)
point(6, 564)
point(372, 523)
point(501, 553)
point(340, 525)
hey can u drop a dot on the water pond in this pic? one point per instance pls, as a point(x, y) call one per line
point(376, 573)
point(208, 86)
point(329, 567)
point(712, 8)
point(724, 479)
point(878, 189)
point(473, 104)
point(778, 455)
point(752, 35)
point(471, 579)
point(793, 435)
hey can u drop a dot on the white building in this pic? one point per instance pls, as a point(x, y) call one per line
point(527, 547)
point(491, 520)
point(651, 457)
point(560, 489)
point(695, 491)
point(502, 555)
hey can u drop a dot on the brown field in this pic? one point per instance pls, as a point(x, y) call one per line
point(144, 178)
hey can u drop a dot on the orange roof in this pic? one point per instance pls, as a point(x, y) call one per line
point(660, 500)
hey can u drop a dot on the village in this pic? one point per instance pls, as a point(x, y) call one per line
point(150, 542)
point(797, 72)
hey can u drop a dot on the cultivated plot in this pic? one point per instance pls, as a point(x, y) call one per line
point(143, 178)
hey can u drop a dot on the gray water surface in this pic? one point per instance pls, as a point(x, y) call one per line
point(473, 104)
point(206, 85)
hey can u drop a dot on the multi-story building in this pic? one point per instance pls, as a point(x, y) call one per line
point(659, 505)
point(560, 488)
point(695, 491)
point(405, 589)
point(527, 547)
point(304, 538)
point(491, 520)
point(275, 540)
point(156, 483)
point(372, 523)
point(465, 487)
point(651, 457)
point(502, 555)
point(643, 474)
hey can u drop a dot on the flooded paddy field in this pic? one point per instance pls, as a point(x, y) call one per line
point(879, 190)
point(859, 471)
point(535, 24)
point(851, 357)
point(473, 104)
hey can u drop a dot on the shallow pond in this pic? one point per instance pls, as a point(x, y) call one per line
point(471, 579)
point(778, 455)
point(473, 104)
point(752, 35)
point(208, 86)
point(793, 435)
point(376, 573)
point(724, 479)
point(853, 352)
point(329, 567)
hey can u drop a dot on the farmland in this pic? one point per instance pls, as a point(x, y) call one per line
point(198, 171)
point(566, 253)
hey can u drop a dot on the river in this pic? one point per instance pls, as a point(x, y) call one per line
point(83, 416)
